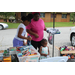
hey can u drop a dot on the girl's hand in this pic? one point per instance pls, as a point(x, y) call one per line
point(24, 43)
point(45, 55)
point(29, 38)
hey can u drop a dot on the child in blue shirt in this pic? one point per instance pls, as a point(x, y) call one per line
point(44, 49)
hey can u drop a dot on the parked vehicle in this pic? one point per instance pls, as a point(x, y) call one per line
point(3, 26)
point(72, 36)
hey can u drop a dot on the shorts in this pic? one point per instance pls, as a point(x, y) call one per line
point(17, 43)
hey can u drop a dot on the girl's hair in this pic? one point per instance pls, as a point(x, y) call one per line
point(29, 17)
point(43, 40)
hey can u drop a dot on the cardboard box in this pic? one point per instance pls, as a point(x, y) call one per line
point(7, 59)
point(66, 52)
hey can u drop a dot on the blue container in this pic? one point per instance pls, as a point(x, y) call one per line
point(29, 42)
point(1, 58)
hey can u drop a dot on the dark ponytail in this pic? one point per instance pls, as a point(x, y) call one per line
point(29, 17)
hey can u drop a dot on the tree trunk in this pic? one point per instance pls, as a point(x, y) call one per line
point(6, 19)
point(16, 16)
point(73, 19)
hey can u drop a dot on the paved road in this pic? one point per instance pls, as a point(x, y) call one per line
point(60, 39)
point(6, 38)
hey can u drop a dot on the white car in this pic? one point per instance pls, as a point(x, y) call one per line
point(3, 26)
point(72, 36)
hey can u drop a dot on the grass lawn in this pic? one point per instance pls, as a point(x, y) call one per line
point(59, 24)
point(47, 24)
point(13, 25)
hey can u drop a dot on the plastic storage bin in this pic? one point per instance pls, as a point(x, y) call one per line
point(12, 50)
point(34, 58)
point(55, 59)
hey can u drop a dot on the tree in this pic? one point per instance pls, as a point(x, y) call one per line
point(18, 15)
point(7, 14)
point(72, 15)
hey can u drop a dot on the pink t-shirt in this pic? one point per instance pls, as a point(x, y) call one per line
point(38, 28)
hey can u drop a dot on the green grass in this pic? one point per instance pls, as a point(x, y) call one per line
point(13, 25)
point(47, 24)
point(59, 24)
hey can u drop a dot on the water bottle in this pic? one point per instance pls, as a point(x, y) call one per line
point(29, 42)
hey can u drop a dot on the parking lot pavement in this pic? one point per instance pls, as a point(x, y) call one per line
point(60, 39)
point(6, 39)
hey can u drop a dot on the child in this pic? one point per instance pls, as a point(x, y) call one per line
point(21, 31)
point(44, 49)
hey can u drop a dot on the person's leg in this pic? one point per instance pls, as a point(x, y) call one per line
point(34, 43)
point(15, 42)
point(39, 45)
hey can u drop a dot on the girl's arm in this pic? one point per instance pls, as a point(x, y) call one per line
point(20, 36)
point(41, 51)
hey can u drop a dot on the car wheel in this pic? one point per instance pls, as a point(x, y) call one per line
point(1, 27)
point(73, 40)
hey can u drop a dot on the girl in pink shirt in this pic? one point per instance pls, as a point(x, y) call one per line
point(35, 29)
